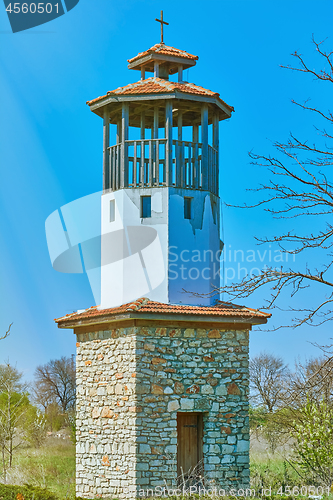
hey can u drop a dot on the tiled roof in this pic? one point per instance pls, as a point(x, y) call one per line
point(160, 48)
point(144, 305)
point(154, 85)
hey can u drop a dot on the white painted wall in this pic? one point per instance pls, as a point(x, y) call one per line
point(161, 256)
point(194, 252)
point(134, 250)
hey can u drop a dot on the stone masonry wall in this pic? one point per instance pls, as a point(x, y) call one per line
point(131, 382)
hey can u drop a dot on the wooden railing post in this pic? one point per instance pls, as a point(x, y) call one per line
point(106, 151)
point(196, 173)
point(124, 148)
point(180, 165)
point(152, 161)
point(142, 147)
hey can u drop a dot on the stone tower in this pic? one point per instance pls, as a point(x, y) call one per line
point(162, 375)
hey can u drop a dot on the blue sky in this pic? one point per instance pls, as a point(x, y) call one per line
point(51, 144)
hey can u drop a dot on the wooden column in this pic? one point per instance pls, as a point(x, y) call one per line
point(153, 155)
point(142, 148)
point(216, 123)
point(180, 73)
point(180, 167)
point(143, 73)
point(195, 139)
point(168, 149)
point(124, 145)
point(117, 159)
point(106, 151)
point(204, 140)
point(119, 132)
point(155, 122)
point(142, 125)
point(156, 69)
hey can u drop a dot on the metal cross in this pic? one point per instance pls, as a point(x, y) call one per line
point(162, 22)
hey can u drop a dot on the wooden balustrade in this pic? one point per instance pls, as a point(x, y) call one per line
point(147, 162)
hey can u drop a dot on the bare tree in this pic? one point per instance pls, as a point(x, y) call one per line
point(300, 187)
point(311, 381)
point(55, 383)
point(13, 405)
point(7, 332)
point(268, 376)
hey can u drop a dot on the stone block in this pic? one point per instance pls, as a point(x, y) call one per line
point(157, 361)
point(142, 389)
point(142, 466)
point(243, 445)
point(193, 389)
point(173, 405)
point(187, 404)
point(202, 404)
point(226, 430)
point(227, 448)
point(227, 459)
point(149, 347)
point(144, 448)
point(207, 389)
point(221, 390)
point(189, 333)
point(105, 461)
point(95, 412)
point(119, 389)
point(171, 449)
point(233, 389)
point(156, 389)
point(214, 334)
point(214, 448)
point(107, 412)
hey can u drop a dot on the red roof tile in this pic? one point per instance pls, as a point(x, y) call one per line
point(144, 305)
point(154, 85)
point(160, 48)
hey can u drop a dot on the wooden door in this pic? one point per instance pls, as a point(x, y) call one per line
point(189, 451)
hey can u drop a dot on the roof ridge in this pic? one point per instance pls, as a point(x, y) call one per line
point(167, 84)
point(137, 304)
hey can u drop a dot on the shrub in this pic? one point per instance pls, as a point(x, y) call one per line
point(314, 442)
point(26, 492)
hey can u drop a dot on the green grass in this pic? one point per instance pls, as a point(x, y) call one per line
point(273, 472)
point(52, 466)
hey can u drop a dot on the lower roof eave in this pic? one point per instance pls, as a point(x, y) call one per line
point(186, 318)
